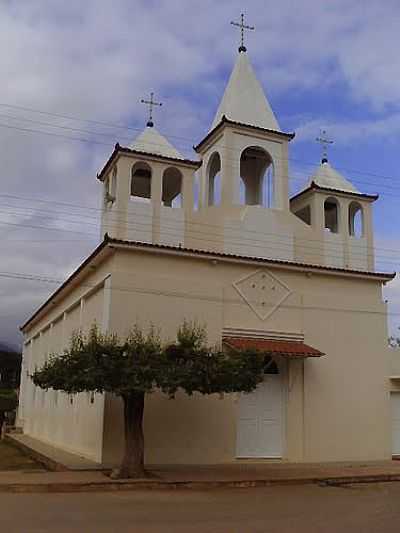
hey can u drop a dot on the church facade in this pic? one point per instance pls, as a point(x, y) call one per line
point(217, 239)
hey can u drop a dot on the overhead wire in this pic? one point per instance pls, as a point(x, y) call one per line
point(188, 141)
point(191, 296)
point(169, 135)
point(126, 223)
point(172, 231)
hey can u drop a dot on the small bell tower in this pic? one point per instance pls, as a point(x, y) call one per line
point(339, 215)
point(147, 189)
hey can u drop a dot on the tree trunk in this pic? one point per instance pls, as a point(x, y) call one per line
point(132, 465)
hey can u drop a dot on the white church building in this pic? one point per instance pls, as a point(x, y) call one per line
point(217, 239)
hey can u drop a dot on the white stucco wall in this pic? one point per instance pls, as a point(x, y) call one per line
point(72, 423)
point(337, 409)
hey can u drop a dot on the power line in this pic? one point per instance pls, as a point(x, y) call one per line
point(93, 141)
point(171, 229)
point(189, 296)
point(188, 140)
point(69, 117)
point(285, 248)
point(69, 128)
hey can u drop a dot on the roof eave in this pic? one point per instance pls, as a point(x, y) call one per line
point(224, 120)
point(173, 250)
point(87, 263)
point(234, 258)
point(124, 150)
point(315, 187)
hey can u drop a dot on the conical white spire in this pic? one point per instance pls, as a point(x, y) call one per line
point(244, 99)
point(329, 178)
point(151, 141)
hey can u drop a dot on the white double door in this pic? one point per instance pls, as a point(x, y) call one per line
point(260, 420)
point(395, 400)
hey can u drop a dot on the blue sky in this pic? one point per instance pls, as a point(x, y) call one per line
point(333, 65)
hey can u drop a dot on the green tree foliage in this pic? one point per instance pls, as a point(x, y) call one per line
point(142, 364)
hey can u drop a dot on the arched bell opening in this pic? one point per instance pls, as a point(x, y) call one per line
point(141, 182)
point(214, 180)
point(356, 220)
point(331, 215)
point(256, 177)
point(172, 188)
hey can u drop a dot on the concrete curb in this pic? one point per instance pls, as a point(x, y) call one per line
point(122, 486)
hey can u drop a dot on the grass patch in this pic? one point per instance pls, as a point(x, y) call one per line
point(13, 459)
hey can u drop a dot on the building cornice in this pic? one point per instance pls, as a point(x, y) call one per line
point(235, 258)
point(109, 245)
point(84, 268)
point(145, 155)
point(225, 121)
point(315, 187)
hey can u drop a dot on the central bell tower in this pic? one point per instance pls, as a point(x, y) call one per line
point(244, 183)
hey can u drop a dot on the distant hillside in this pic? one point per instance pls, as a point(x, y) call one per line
point(4, 347)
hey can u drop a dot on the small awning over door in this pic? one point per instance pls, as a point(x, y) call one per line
point(273, 347)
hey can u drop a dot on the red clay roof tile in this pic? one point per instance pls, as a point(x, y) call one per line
point(273, 347)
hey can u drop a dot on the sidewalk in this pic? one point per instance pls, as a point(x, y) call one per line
point(73, 473)
point(202, 477)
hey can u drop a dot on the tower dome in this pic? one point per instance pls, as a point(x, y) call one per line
point(151, 141)
point(327, 177)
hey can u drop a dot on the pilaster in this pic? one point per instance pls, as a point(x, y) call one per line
point(156, 198)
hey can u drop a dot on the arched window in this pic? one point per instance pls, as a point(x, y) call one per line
point(331, 215)
point(172, 188)
point(257, 177)
point(356, 220)
point(141, 181)
point(214, 179)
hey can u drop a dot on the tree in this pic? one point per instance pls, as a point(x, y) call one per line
point(10, 370)
point(142, 364)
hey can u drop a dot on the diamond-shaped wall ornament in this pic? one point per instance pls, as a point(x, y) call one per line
point(263, 292)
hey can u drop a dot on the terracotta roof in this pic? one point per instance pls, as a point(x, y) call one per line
point(109, 242)
point(121, 149)
point(225, 120)
point(258, 260)
point(315, 187)
point(273, 347)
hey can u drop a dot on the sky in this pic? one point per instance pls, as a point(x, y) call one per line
point(73, 74)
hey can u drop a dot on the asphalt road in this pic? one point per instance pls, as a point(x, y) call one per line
point(371, 508)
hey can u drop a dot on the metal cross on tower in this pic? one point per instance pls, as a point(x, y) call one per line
point(151, 103)
point(242, 27)
point(324, 142)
